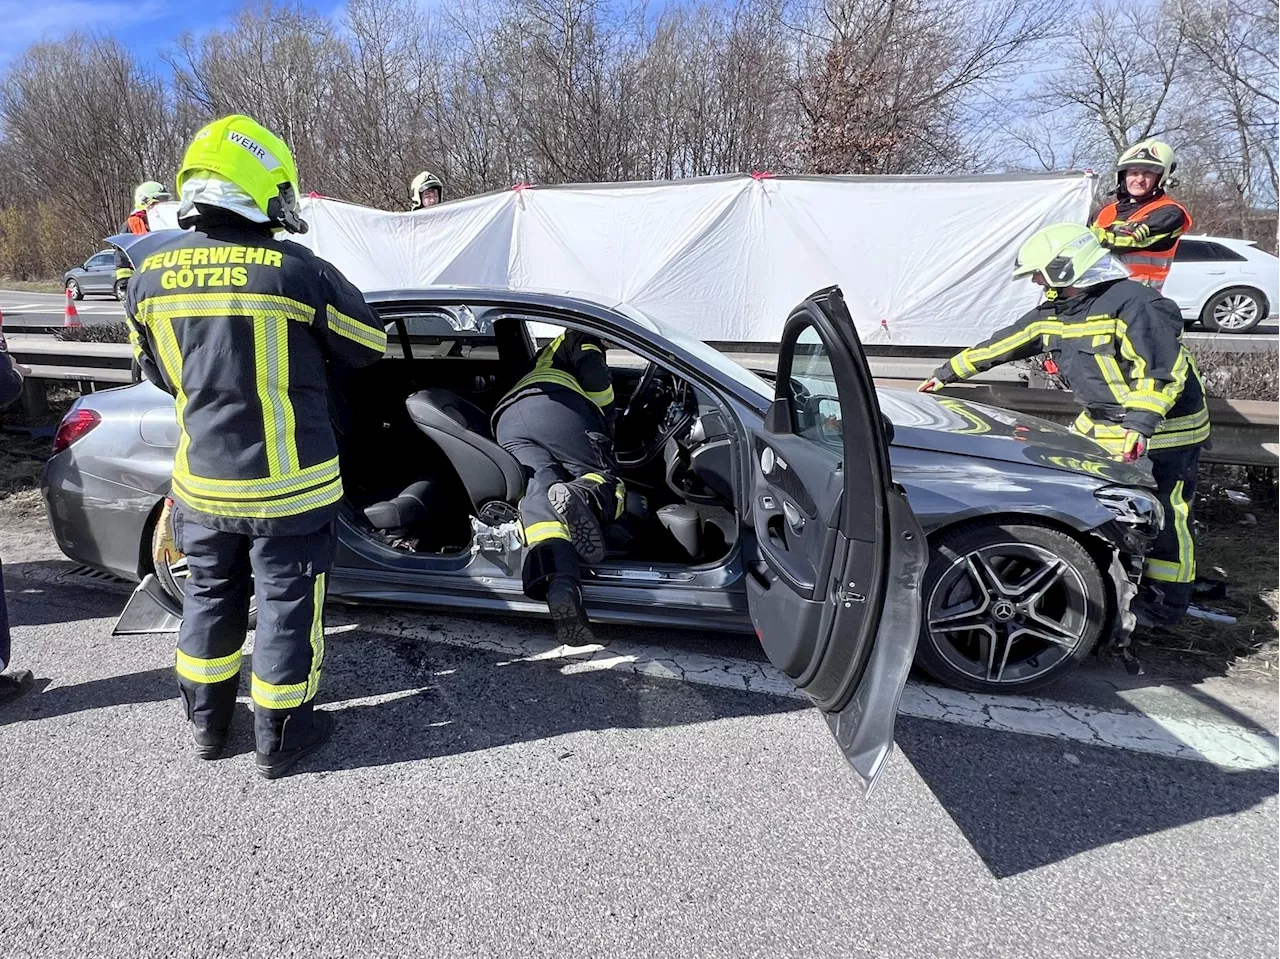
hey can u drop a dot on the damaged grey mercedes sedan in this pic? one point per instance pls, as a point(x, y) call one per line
point(772, 504)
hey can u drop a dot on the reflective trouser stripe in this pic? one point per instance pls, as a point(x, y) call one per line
point(536, 533)
point(270, 696)
point(197, 670)
point(1183, 570)
point(619, 491)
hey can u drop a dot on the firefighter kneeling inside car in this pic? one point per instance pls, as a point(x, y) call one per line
point(1119, 344)
point(243, 330)
point(557, 421)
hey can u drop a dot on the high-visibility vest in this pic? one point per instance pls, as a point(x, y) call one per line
point(137, 222)
point(1145, 265)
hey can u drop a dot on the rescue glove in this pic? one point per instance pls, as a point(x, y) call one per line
point(1134, 447)
point(931, 385)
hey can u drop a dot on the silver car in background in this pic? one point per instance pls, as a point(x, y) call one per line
point(95, 275)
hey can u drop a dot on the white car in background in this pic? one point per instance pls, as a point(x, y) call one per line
point(1228, 285)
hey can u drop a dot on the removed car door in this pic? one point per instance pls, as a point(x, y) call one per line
point(834, 590)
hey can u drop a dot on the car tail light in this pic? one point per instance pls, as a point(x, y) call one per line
point(74, 425)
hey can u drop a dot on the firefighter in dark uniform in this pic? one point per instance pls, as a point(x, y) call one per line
point(1119, 343)
point(145, 197)
point(558, 422)
point(241, 328)
point(1144, 225)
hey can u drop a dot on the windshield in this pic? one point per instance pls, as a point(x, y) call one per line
point(713, 358)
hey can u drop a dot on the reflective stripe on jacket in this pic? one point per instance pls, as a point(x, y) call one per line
point(239, 326)
point(573, 361)
point(1120, 347)
point(1144, 235)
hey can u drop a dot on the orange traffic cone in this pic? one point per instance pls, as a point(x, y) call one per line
point(71, 319)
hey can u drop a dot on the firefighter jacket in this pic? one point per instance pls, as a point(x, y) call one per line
point(1119, 344)
point(573, 361)
point(240, 328)
point(1144, 234)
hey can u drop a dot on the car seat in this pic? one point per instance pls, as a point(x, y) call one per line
point(493, 478)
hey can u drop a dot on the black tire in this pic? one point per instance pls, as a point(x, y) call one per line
point(170, 577)
point(1235, 310)
point(1006, 651)
point(120, 289)
point(74, 288)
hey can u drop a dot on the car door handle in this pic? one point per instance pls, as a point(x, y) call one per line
point(1216, 272)
point(794, 519)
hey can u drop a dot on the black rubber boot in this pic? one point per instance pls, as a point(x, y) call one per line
point(209, 711)
point(572, 506)
point(564, 599)
point(15, 685)
point(284, 739)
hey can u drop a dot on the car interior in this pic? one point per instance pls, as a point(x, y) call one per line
point(423, 474)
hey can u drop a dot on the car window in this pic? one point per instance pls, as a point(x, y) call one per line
point(101, 260)
point(815, 404)
point(433, 334)
point(1202, 251)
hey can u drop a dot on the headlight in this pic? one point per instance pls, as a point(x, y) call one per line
point(1136, 508)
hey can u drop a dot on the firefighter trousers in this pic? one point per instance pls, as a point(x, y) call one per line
point(558, 437)
point(287, 576)
point(1171, 563)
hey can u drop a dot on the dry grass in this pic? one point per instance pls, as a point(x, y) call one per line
point(22, 455)
point(30, 286)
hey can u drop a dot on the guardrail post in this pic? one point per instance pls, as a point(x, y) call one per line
point(35, 397)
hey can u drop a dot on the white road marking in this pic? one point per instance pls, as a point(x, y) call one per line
point(1226, 745)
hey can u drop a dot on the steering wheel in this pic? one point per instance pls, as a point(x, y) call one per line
point(645, 402)
point(647, 383)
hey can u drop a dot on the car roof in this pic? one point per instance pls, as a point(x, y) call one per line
point(1225, 240)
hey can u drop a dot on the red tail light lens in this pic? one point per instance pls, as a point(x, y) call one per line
point(74, 425)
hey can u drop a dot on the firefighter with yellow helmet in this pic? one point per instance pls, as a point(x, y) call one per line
point(1144, 224)
point(242, 329)
point(1119, 343)
point(145, 196)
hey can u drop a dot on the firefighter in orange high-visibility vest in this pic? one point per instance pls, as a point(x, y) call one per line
point(1144, 224)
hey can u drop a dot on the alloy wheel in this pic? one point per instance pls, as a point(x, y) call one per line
point(1008, 613)
point(1238, 311)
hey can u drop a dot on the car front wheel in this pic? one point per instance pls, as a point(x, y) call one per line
point(1009, 607)
point(1237, 310)
point(74, 289)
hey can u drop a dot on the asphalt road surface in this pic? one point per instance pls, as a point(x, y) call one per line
point(25, 311)
point(488, 794)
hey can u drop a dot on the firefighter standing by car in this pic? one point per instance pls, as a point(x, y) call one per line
point(425, 190)
point(241, 327)
point(145, 197)
point(13, 684)
point(557, 421)
point(1144, 224)
point(1119, 344)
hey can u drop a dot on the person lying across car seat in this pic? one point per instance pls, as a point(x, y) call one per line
point(557, 421)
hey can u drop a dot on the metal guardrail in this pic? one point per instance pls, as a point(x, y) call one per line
point(1244, 431)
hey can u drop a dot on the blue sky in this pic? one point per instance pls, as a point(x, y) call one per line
point(148, 26)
